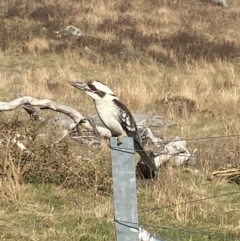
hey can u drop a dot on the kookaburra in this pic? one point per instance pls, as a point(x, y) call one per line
point(115, 115)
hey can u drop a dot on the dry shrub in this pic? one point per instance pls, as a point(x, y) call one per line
point(189, 45)
point(35, 21)
point(183, 35)
point(179, 105)
point(123, 6)
point(55, 164)
point(10, 176)
point(38, 45)
point(45, 162)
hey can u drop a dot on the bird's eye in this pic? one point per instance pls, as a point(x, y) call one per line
point(92, 87)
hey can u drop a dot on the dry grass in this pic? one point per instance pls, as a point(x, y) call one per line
point(178, 59)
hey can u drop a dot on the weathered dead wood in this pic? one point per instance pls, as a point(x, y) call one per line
point(230, 174)
point(49, 104)
point(174, 152)
point(31, 111)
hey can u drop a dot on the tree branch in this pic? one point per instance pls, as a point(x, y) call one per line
point(49, 104)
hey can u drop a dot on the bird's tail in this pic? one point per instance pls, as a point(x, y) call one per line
point(145, 157)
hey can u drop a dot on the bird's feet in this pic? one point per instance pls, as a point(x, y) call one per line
point(119, 139)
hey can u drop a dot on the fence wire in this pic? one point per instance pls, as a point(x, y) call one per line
point(183, 230)
point(190, 201)
point(129, 150)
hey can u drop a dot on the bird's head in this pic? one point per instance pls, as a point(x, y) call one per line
point(96, 89)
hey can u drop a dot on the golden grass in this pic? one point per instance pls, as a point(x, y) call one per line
point(175, 59)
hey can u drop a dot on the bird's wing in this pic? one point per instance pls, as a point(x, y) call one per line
point(130, 127)
point(126, 119)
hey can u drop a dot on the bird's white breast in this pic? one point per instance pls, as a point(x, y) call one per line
point(108, 113)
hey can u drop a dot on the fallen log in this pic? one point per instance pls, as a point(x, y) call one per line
point(174, 152)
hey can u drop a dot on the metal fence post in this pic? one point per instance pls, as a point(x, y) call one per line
point(124, 190)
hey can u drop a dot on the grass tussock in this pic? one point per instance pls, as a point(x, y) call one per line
point(178, 59)
point(46, 162)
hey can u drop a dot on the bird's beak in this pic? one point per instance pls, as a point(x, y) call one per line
point(79, 85)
